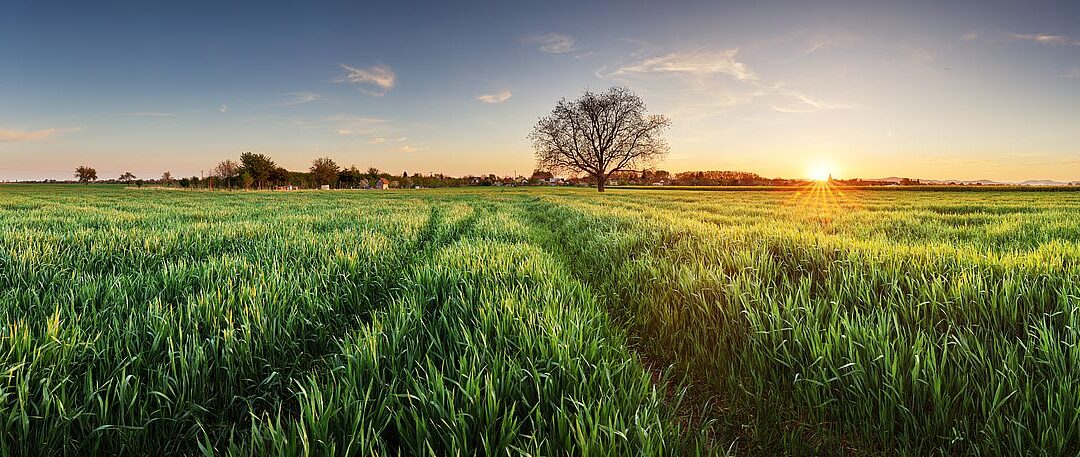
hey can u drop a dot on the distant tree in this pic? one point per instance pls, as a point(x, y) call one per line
point(542, 175)
point(279, 176)
point(539, 176)
point(246, 180)
point(350, 178)
point(324, 171)
point(258, 166)
point(185, 183)
point(127, 177)
point(373, 173)
point(85, 174)
point(625, 176)
point(720, 178)
point(166, 178)
point(227, 171)
point(139, 182)
point(599, 134)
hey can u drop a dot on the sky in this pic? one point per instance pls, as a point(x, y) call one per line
point(963, 90)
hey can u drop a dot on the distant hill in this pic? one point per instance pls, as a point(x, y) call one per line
point(1045, 182)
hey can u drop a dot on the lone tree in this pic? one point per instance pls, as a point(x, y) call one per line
point(324, 171)
point(599, 134)
point(86, 174)
point(167, 179)
point(126, 178)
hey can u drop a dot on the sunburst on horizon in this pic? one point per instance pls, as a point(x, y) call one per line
point(820, 172)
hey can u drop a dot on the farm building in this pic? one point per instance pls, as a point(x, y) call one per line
point(381, 183)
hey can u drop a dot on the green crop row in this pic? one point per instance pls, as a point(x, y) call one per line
point(538, 322)
point(811, 327)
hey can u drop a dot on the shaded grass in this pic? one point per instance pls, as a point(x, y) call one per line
point(306, 324)
point(538, 322)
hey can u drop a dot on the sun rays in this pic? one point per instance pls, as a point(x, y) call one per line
point(823, 200)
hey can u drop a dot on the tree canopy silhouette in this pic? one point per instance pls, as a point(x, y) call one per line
point(85, 174)
point(599, 134)
point(258, 166)
point(324, 171)
point(227, 170)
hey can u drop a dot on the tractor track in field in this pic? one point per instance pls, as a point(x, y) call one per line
point(434, 235)
point(697, 403)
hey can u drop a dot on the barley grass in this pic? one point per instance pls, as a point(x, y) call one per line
point(538, 322)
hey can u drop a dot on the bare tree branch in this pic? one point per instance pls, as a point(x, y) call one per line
point(599, 134)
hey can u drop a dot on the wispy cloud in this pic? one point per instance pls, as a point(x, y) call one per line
point(383, 139)
point(223, 109)
point(971, 36)
point(1047, 39)
point(696, 63)
point(553, 43)
point(806, 104)
point(815, 46)
point(702, 83)
point(376, 130)
point(148, 114)
point(380, 76)
point(498, 97)
point(299, 98)
point(16, 136)
point(349, 125)
point(920, 58)
point(696, 84)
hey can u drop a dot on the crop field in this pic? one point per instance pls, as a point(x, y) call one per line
point(538, 321)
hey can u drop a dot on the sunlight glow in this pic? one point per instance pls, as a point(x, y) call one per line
point(820, 172)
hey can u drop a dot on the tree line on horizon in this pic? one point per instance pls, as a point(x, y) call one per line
point(255, 171)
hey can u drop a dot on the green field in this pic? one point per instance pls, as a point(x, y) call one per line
point(539, 322)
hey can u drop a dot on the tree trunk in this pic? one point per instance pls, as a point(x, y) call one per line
point(600, 183)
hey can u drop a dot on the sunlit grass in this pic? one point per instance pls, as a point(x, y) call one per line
point(883, 321)
point(536, 321)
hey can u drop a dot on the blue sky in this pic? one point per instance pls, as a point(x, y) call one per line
point(968, 90)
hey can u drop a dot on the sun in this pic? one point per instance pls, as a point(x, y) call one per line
point(820, 172)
